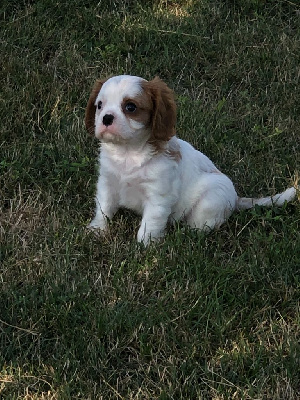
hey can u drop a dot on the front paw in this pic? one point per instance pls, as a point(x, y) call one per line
point(98, 227)
point(146, 238)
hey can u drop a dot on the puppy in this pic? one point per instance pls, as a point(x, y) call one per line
point(146, 168)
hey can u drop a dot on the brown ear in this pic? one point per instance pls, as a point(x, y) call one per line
point(91, 109)
point(164, 109)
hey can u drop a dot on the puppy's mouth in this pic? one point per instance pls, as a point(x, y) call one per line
point(108, 134)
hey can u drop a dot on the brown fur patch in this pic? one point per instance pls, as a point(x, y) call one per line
point(90, 110)
point(143, 111)
point(174, 154)
point(163, 118)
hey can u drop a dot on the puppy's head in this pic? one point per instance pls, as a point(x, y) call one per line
point(128, 108)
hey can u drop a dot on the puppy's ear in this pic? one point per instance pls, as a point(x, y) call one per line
point(90, 108)
point(163, 117)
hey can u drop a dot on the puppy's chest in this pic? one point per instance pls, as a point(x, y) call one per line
point(129, 172)
point(132, 191)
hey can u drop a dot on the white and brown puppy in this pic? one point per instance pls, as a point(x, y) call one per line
point(146, 168)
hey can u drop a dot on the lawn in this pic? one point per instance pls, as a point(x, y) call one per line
point(192, 316)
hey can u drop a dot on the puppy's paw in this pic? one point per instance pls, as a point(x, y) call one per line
point(98, 228)
point(146, 238)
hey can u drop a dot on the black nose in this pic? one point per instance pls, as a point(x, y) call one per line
point(108, 119)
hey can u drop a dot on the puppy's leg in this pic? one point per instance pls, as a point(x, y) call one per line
point(214, 205)
point(106, 204)
point(154, 221)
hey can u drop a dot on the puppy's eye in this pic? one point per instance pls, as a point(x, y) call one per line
point(130, 107)
point(99, 105)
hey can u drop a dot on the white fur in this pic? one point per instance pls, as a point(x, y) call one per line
point(159, 187)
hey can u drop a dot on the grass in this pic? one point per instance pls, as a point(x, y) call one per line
point(192, 317)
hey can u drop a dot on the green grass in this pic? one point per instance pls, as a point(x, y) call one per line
point(192, 317)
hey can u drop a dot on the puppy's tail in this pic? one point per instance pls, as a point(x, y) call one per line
point(244, 203)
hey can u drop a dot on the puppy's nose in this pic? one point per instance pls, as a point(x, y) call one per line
point(108, 119)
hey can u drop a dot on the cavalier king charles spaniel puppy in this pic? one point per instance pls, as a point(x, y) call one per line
point(146, 168)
